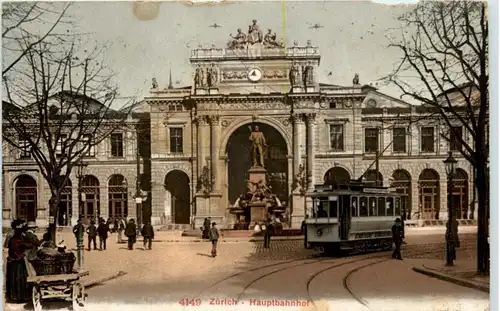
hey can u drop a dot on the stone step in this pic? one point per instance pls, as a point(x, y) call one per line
point(175, 227)
point(244, 233)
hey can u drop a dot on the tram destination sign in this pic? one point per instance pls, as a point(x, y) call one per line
point(379, 190)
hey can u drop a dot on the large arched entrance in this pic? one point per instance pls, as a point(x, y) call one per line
point(26, 201)
point(178, 195)
point(460, 194)
point(428, 185)
point(117, 197)
point(64, 210)
point(337, 176)
point(402, 183)
point(239, 150)
point(89, 210)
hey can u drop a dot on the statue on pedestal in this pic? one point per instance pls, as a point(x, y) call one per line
point(254, 33)
point(270, 40)
point(294, 74)
point(154, 84)
point(238, 41)
point(307, 74)
point(259, 145)
point(199, 77)
point(212, 76)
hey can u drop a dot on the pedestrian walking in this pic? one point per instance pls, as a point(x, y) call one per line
point(303, 228)
point(148, 234)
point(268, 230)
point(131, 233)
point(92, 234)
point(397, 238)
point(121, 228)
point(102, 231)
point(214, 235)
point(115, 225)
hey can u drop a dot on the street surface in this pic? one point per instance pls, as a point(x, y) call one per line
point(245, 276)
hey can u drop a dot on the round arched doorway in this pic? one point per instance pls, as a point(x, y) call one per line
point(401, 181)
point(239, 157)
point(177, 197)
point(26, 198)
point(117, 197)
point(428, 185)
point(90, 209)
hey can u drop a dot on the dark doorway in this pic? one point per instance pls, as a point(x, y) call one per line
point(26, 198)
point(89, 210)
point(64, 209)
point(117, 197)
point(177, 183)
point(239, 150)
point(402, 183)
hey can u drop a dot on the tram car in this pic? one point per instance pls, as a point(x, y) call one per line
point(353, 217)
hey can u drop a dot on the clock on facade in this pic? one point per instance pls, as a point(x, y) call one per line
point(254, 75)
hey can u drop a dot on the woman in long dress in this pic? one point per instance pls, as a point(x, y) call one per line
point(17, 287)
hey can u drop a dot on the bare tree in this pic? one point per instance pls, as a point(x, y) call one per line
point(66, 106)
point(26, 24)
point(444, 66)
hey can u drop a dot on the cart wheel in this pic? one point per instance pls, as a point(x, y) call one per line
point(78, 297)
point(37, 298)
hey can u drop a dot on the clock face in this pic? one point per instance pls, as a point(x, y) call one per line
point(254, 75)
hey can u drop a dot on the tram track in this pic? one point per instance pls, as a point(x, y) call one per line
point(295, 263)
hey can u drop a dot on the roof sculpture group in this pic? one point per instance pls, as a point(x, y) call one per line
point(242, 40)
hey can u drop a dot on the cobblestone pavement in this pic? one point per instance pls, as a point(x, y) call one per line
point(180, 272)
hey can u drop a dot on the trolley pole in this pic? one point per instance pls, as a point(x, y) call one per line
point(80, 232)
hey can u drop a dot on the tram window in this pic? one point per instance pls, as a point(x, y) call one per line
point(373, 206)
point(363, 207)
point(397, 206)
point(390, 207)
point(381, 206)
point(332, 206)
point(322, 209)
point(354, 206)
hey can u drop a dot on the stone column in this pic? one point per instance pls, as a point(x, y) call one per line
point(311, 118)
point(214, 159)
point(167, 208)
point(202, 142)
point(298, 129)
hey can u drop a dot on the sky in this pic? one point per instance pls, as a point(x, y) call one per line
point(151, 38)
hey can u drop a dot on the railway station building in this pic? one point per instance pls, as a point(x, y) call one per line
point(195, 158)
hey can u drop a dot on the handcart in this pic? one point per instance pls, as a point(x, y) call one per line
point(64, 286)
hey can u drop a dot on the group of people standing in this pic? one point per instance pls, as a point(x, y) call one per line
point(119, 226)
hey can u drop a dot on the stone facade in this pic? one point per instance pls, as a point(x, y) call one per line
point(192, 129)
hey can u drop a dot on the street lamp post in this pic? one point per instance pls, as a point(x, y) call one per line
point(450, 165)
point(79, 237)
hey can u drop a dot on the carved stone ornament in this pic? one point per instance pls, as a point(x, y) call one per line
point(297, 118)
point(201, 120)
point(311, 117)
point(226, 122)
point(214, 119)
point(323, 105)
point(254, 106)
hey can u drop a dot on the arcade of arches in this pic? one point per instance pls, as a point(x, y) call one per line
point(239, 150)
point(428, 195)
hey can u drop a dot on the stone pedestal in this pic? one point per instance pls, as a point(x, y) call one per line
point(299, 211)
point(256, 176)
point(258, 212)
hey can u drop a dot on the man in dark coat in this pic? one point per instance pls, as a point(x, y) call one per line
point(92, 234)
point(397, 238)
point(148, 233)
point(102, 231)
point(268, 231)
point(214, 235)
point(131, 233)
point(303, 228)
point(78, 230)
